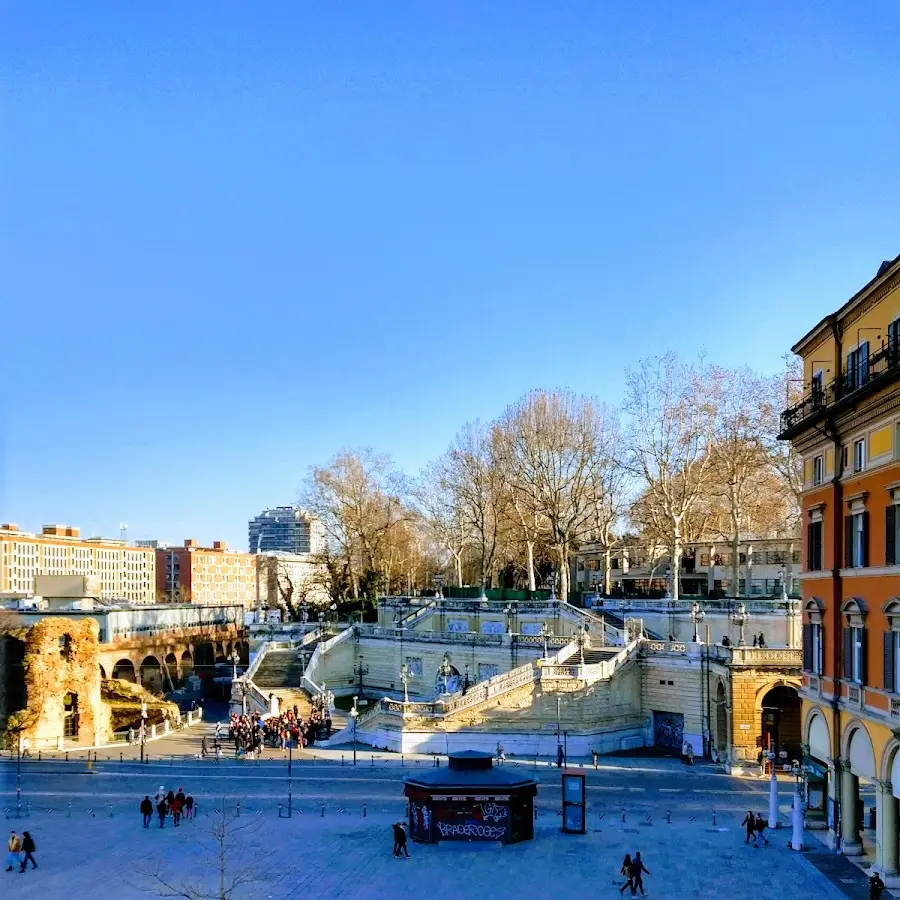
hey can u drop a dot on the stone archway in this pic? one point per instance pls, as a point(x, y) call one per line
point(187, 664)
point(124, 670)
point(172, 671)
point(818, 738)
point(858, 763)
point(151, 674)
point(102, 673)
point(779, 711)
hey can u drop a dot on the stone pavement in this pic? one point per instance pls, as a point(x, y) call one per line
point(345, 855)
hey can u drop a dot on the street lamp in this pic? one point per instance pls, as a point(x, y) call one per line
point(445, 670)
point(361, 670)
point(321, 621)
point(697, 616)
point(143, 727)
point(580, 639)
point(552, 598)
point(405, 678)
point(354, 715)
point(741, 617)
point(545, 636)
point(784, 588)
point(508, 609)
point(235, 658)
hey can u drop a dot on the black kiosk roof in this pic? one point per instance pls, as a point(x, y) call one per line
point(471, 771)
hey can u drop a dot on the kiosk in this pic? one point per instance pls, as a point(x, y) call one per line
point(470, 800)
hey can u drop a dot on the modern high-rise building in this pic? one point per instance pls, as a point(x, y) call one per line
point(286, 529)
point(121, 570)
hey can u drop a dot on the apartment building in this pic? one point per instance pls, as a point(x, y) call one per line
point(286, 529)
point(195, 574)
point(846, 427)
point(121, 570)
point(766, 568)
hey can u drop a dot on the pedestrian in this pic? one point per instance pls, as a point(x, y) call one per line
point(160, 795)
point(218, 730)
point(28, 847)
point(760, 828)
point(170, 798)
point(161, 812)
point(397, 837)
point(501, 754)
point(637, 871)
point(750, 824)
point(560, 756)
point(14, 848)
point(876, 886)
point(400, 839)
point(176, 811)
point(189, 807)
point(180, 797)
point(594, 755)
point(146, 810)
point(626, 871)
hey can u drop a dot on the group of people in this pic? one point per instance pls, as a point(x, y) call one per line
point(756, 828)
point(178, 805)
point(634, 870)
point(252, 734)
point(20, 851)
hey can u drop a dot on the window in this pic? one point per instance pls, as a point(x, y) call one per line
point(815, 389)
point(891, 682)
point(813, 648)
point(894, 341)
point(856, 540)
point(859, 455)
point(814, 546)
point(855, 654)
point(818, 470)
point(891, 532)
point(858, 366)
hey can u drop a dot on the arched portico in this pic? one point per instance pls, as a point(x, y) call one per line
point(151, 674)
point(124, 669)
point(857, 762)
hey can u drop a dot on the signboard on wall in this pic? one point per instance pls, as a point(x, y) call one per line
point(492, 628)
point(533, 628)
point(457, 625)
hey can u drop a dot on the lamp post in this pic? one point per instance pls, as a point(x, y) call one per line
point(741, 617)
point(784, 587)
point(405, 679)
point(552, 598)
point(143, 728)
point(773, 791)
point(445, 670)
point(545, 636)
point(580, 639)
point(361, 670)
point(19, 774)
point(321, 622)
point(508, 609)
point(235, 658)
point(697, 616)
point(354, 714)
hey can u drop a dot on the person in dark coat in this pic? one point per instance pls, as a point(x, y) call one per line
point(876, 886)
point(761, 828)
point(28, 849)
point(147, 810)
point(750, 824)
point(626, 871)
point(170, 798)
point(400, 840)
point(189, 806)
point(637, 871)
point(161, 811)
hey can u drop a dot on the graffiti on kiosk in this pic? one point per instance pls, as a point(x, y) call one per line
point(470, 829)
point(491, 812)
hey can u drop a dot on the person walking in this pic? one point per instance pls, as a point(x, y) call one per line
point(160, 794)
point(14, 848)
point(400, 849)
point(750, 824)
point(147, 810)
point(28, 848)
point(626, 871)
point(637, 870)
point(176, 811)
point(189, 807)
point(760, 829)
point(560, 756)
point(876, 886)
point(161, 812)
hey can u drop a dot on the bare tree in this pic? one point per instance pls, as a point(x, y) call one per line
point(554, 446)
point(231, 864)
point(442, 513)
point(671, 423)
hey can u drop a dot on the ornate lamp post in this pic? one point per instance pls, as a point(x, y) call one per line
point(143, 728)
point(773, 791)
point(359, 671)
point(354, 715)
point(405, 678)
point(581, 639)
point(445, 670)
point(545, 636)
point(784, 587)
point(797, 808)
point(741, 617)
point(553, 598)
point(697, 616)
point(508, 609)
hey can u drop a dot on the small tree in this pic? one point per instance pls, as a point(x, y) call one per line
point(231, 864)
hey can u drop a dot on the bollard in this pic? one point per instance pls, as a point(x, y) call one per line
point(67, 755)
point(237, 808)
point(714, 817)
point(120, 756)
point(109, 811)
point(373, 759)
point(342, 759)
point(669, 816)
point(322, 816)
point(290, 805)
point(623, 814)
point(535, 813)
point(364, 810)
point(279, 811)
point(69, 811)
point(39, 755)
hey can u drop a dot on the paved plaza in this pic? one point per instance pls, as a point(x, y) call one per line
point(685, 822)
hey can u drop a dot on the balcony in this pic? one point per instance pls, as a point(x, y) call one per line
point(880, 368)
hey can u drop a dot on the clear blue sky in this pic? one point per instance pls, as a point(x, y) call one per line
point(236, 238)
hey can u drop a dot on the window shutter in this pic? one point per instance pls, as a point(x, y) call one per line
point(890, 535)
point(848, 654)
point(810, 553)
point(848, 541)
point(864, 654)
point(865, 540)
point(807, 648)
point(820, 662)
point(888, 638)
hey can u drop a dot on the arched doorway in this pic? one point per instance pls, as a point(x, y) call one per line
point(187, 664)
point(124, 669)
point(102, 673)
point(172, 670)
point(859, 766)
point(70, 715)
point(721, 720)
point(781, 727)
point(151, 674)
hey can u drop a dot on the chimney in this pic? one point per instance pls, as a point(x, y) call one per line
point(219, 545)
point(190, 542)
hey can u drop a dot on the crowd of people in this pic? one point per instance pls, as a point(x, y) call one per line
point(178, 805)
point(253, 734)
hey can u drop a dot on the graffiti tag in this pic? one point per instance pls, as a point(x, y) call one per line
point(470, 829)
point(491, 812)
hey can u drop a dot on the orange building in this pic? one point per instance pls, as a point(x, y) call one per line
point(846, 429)
point(193, 574)
point(121, 570)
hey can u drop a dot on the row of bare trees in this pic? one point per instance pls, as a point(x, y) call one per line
point(691, 455)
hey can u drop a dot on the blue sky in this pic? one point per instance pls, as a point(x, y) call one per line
point(236, 238)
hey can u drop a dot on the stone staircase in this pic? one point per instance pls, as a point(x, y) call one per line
point(280, 674)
